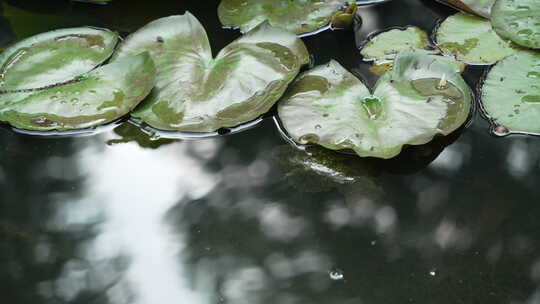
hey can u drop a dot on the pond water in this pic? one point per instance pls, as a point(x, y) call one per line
point(119, 218)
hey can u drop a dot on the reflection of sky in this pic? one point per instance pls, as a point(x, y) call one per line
point(131, 189)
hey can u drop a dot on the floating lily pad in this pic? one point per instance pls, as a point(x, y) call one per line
point(478, 7)
point(198, 93)
point(511, 93)
point(53, 57)
point(518, 20)
point(472, 40)
point(386, 45)
point(420, 98)
point(382, 48)
point(103, 96)
point(295, 16)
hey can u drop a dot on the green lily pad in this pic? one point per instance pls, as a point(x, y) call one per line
point(478, 7)
point(511, 93)
point(383, 48)
point(198, 93)
point(518, 20)
point(54, 57)
point(472, 40)
point(103, 96)
point(297, 16)
point(386, 45)
point(420, 98)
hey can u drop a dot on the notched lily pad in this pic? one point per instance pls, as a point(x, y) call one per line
point(53, 57)
point(420, 98)
point(479, 7)
point(102, 96)
point(297, 16)
point(511, 94)
point(386, 45)
point(382, 48)
point(518, 20)
point(196, 92)
point(472, 40)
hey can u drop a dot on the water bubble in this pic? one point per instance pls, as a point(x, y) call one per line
point(373, 243)
point(74, 99)
point(317, 127)
point(501, 131)
point(336, 275)
point(155, 137)
point(433, 272)
point(443, 84)
point(54, 97)
point(308, 138)
point(534, 75)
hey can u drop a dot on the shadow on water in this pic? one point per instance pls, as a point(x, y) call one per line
point(321, 227)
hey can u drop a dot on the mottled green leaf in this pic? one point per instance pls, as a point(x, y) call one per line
point(478, 7)
point(511, 93)
point(472, 40)
point(297, 16)
point(383, 48)
point(53, 57)
point(420, 98)
point(386, 45)
point(104, 95)
point(518, 20)
point(196, 92)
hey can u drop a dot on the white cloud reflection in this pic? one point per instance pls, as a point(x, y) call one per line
point(131, 189)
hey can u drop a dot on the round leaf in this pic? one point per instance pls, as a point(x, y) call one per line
point(53, 57)
point(511, 93)
point(518, 20)
point(297, 16)
point(472, 40)
point(383, 48)
point(105, 95)
point(420, 98)
point(198, 93)
point(386, 45)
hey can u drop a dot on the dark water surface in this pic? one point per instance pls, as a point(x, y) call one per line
point(118, 218)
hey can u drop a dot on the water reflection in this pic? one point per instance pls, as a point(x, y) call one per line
point(245, 219)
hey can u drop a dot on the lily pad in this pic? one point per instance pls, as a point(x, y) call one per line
point(511, 93)
point(420, 98)
point(198, 93)
point(386, 45)
point(518, 20)
point(297, 16)
point(478, 7)
point(104, 95)
point(472, 40)
point(383, 48)
point(54, 57)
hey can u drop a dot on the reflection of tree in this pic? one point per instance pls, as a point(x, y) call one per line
point(441, 234)
point(41, 257)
